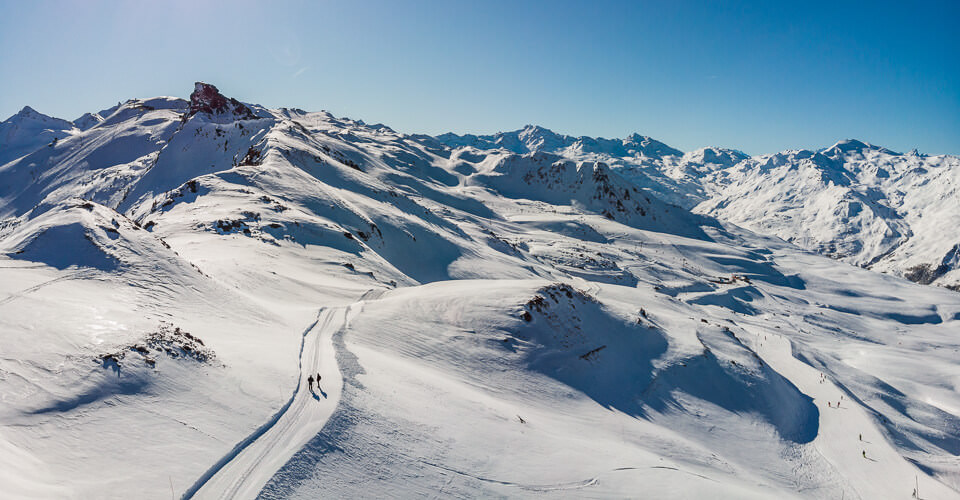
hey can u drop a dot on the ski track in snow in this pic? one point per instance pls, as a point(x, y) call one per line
point(243, 472)
point(78, 275)
point(882, 472)
point(543, 488)
point(571, 485)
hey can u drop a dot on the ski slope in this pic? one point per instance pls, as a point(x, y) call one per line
point(882, 471)
point(243, 472)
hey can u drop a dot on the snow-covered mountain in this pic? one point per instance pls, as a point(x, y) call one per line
point(28, 130)
point(859, 203)
point(498, 315)
point(533, 138)
point(856, 202)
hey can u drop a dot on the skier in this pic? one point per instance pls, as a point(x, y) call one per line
point(861, 437)
point(318, 379)
point(310, 382)
point(864, 453)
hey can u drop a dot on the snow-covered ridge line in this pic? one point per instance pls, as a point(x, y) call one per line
point(853, 201)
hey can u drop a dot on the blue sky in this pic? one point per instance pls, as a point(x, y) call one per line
point(758, 76)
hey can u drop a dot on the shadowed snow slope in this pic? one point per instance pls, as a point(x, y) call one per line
point(27, 131)
point(508, 315)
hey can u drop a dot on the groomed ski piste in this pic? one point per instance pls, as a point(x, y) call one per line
point(485, 323)
point(245, 470)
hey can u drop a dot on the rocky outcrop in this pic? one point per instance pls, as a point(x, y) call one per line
point(207, 98)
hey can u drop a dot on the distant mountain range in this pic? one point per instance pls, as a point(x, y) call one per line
point(855, 202)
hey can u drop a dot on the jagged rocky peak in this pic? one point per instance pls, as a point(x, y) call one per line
point(537, 138)
point(649, 146)
point(715, 156)
point(535, 131)
point(207, 98)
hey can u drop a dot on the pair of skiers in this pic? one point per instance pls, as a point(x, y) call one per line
point(310, 381)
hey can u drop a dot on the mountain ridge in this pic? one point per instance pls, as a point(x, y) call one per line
point(697, 179)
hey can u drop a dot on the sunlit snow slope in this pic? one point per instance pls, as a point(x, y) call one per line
point(489, 316)
point(859, 203)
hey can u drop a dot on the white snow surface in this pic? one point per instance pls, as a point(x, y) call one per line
point(855, 202)
point(490, 316)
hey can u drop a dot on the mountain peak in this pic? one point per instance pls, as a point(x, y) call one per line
point(535, 129)
point(853, 146)
point(31, 118)
point(535, 138)
point(207, 98)
point(649, 146)
point(850, 145)
point(27, 111)
point(716, 156)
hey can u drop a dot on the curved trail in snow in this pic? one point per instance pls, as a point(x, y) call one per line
point(76, 275)
point(243, 471)
point(872, 467)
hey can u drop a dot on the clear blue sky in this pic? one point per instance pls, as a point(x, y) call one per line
point(759, 76)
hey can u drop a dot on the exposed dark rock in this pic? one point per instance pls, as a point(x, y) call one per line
point(928, 273)
point(168, 340)
point(253, 157)
point(207, 99)
point(593, 354)
point(924, 273)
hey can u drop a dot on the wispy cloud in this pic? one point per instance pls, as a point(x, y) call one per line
point(301, 71)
